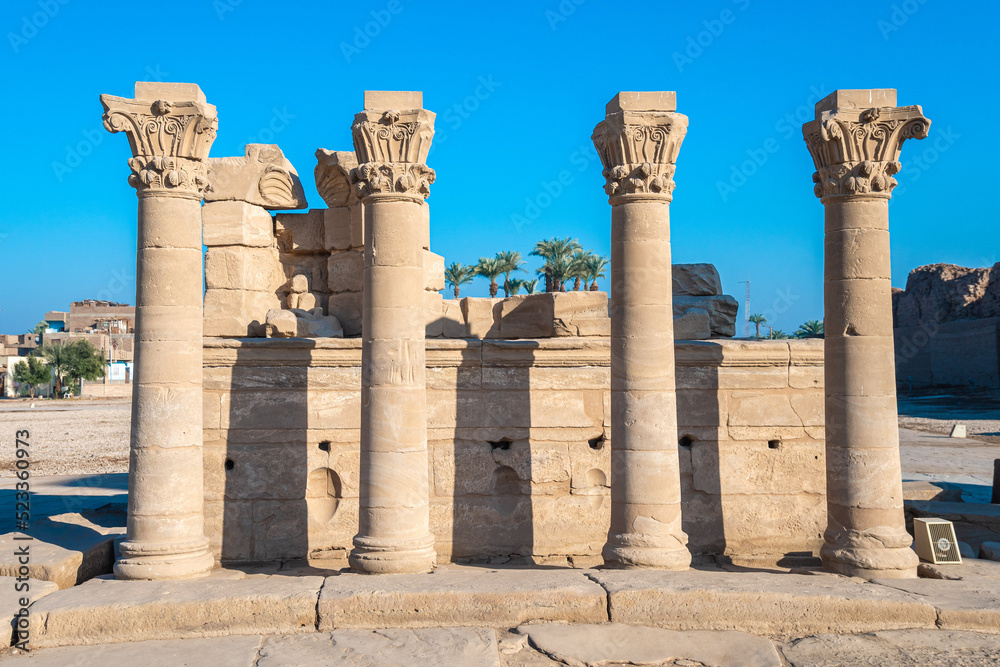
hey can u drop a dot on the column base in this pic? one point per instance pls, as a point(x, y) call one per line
point(155, 560)
point(619, 556)
point(388, 556)
point(900, 563)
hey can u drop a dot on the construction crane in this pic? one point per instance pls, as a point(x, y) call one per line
point(746, 307)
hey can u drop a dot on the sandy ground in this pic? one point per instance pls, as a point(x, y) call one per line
point(69, 436)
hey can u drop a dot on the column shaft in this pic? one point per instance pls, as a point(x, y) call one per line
point(166, 536)
point(645, 476)
point(866, 533)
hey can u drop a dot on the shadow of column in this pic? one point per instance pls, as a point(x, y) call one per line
point(701, 424)
point(263, 462)
point(492, 514)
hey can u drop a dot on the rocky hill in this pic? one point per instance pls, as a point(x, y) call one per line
point(939, 293)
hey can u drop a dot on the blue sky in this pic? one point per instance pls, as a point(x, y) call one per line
point(518, 88)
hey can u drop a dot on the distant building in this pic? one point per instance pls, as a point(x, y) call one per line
point(91, 315)
point(56, 320)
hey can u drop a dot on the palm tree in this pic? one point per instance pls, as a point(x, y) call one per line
point(595, 269)
point(810, 328)
point(578, 267)
point(40, 328)
point(778, 334)
point(530, 286)
point(73, 360)
point(513, 286)
point(758, 320)
point(511, 262)
point(490, 268)
point(556, 271)
point(550, 250)
point(459, 274)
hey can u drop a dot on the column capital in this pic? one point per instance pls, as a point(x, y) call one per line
point(392, 137)
point(170, 128)
point(856, 147)
point(263, 176)
point(638, 142)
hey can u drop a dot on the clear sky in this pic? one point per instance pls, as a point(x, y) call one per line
point(518, 88)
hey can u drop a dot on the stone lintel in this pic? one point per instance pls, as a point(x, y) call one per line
point(857, 99)
point(660, 100)
point(383, 100)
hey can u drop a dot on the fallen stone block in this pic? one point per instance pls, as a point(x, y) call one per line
point(580, 314)
point(721, 311)
point(66, 550)
point(696, 280)
point(105, 611)
point(990, 551)
point(453, 596)
point(614, 643)
point(527, 316)
point(758, 602)
point(263, 176)
point(468, 647)
point(693, 324)
point(939, 491)
point(481, 317)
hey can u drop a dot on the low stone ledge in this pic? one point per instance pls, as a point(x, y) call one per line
point(456, 596)
point(106, 610)
point(967, 604)
point(775, 605)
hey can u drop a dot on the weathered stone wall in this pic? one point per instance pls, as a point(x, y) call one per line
point(518, 436)
point(964, 353)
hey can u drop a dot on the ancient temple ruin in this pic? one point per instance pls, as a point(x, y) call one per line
point(322, 399)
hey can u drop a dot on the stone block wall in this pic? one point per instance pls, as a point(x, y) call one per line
point(518, 436)
point(962, 354)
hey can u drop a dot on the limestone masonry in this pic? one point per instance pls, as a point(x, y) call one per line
point(321, 399)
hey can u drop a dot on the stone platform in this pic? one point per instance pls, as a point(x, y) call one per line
point(296, 599)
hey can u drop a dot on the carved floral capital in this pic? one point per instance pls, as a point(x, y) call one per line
point(391, 148)
point(638, 150)
point(169, 141)
point(856, 151)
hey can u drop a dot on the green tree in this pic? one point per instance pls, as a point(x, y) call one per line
point(778, 334)
point(810, 328)
point(33, 373)
point(513, 286)
point(72, 361)
point(511, 262)
point(578, 267)
point(40, 328)
point(552, 250)
point(458, 274)
point(595, 269)
point(757, 319)
point(530, 286)
point(490, 268)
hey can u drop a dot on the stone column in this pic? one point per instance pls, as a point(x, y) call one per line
point(638, 144)
point(391, 138)
point(855, 143)
point(170, 128)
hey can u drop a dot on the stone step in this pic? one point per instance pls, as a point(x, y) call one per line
point(67, 549)
point(466, 596)
point(106, 610)
point(14, 591)
point(762, 603)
